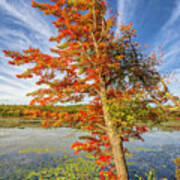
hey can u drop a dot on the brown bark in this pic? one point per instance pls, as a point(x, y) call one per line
point(115, 140)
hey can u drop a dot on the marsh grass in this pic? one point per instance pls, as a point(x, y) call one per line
point(20, 123)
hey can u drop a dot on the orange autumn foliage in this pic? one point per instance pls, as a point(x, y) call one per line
point(91, 60)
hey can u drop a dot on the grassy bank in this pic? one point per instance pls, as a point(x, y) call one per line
point(14, 122)
point(12, 116)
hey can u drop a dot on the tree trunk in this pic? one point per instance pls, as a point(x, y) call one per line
point(115, 140)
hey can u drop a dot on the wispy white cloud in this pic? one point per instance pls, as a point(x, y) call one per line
point(13, 90)
point(126, 9)
point(35, 29)
point(174, 85)
point(121, 11)
point(168, 37)
point(9, 35)
point(174, 17)
point(26, 27)
point(26, 16)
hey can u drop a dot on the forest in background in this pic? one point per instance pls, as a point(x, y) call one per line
point(16, 116)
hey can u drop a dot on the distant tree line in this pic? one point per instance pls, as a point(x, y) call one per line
point(21, 110)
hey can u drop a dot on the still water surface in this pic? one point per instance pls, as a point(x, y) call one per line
point(22, 150)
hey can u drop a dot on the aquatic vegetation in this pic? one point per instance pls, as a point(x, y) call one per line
point(145, 149)
point(36, 150)
point(177, 161)
point(159, 158)
point(76, 168)
point(17, 163)
point(151, 175)
point(81, 169)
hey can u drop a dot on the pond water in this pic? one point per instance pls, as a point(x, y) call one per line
point(23, 150)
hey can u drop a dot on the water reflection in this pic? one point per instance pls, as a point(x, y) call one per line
point(22, 150)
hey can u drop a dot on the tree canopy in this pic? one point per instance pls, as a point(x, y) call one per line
point(91, 60)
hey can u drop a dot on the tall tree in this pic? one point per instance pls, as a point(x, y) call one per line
point(92, 60)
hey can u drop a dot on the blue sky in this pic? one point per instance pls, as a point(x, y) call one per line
point(157, 23)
